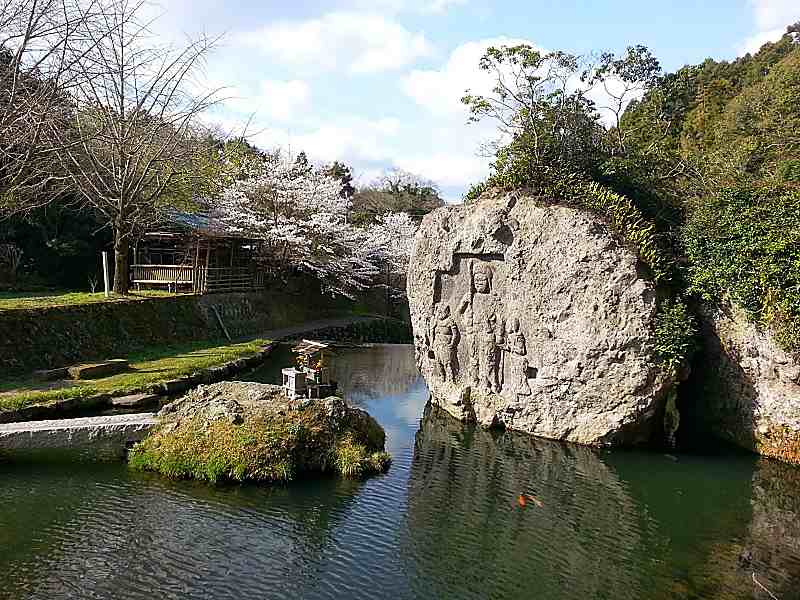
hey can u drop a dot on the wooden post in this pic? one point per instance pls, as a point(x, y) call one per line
point(196, 270)
point(208, 258)
point(105, 273)
point(388, 289)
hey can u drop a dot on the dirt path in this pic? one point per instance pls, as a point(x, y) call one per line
point(312, 326)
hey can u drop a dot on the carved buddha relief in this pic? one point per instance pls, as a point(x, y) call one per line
point(477, 333)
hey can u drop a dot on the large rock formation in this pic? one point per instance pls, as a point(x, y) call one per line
point(533, 317)
point(750, 389)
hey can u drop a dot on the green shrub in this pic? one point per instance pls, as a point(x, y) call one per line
point(744, 244)
point(674, 333)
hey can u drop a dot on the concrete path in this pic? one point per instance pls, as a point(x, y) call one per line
point(102, 432)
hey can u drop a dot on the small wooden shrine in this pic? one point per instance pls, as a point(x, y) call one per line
point(311, 377)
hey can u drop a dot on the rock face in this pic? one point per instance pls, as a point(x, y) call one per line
point(751, 387)
point(236, 401)
point(534, 318)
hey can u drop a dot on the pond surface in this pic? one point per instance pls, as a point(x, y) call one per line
point(445, 522)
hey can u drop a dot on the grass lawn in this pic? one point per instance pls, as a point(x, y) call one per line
point(19, 300)
point(148, 367)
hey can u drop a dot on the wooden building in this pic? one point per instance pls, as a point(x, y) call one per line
point(196, 253)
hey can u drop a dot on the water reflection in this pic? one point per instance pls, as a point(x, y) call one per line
point(107, 533)
point(443, 523)
point(469, 535)
point(363, 373)
point(611, 525)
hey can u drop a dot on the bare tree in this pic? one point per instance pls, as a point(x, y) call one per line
point(40, 41)
point(132, 146)
point(10, 260)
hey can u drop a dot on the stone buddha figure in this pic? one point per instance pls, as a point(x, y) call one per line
point(444, 337)
point(479, 308)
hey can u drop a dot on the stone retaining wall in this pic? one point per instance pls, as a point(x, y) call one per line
point(47, 338)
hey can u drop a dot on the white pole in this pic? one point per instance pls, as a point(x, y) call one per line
point(105, 272)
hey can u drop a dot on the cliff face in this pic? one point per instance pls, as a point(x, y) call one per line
point(534, 318)
point(751, 387)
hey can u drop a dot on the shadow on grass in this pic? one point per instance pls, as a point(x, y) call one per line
point(34, 300)
point(148, 367)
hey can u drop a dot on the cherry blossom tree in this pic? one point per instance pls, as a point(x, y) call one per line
point(302, 220)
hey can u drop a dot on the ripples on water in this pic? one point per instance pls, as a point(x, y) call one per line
point(443, 523)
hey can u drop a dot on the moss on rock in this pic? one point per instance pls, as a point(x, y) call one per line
point(236, 431)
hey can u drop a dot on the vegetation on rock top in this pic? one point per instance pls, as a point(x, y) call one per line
point(265, 446)
point(699, 172)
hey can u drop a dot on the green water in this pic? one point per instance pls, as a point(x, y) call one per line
point(445, 522)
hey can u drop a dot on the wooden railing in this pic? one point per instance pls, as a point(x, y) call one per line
point(164, 274)
point(202, 280)
point(233, 279)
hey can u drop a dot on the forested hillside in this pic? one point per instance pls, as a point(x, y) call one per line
point(722, 144)
point(700, 171)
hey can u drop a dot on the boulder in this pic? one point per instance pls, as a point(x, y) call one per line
point(533, 317)
point(244, 431)
point(98, 370)
point(750, 386)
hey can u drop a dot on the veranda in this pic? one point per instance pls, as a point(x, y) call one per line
point(196, 254)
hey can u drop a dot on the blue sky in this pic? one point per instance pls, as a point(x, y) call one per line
point(376, 83)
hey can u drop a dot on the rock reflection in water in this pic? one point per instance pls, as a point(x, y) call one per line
point(468, 533)
point(611, 525)
point(774, 533)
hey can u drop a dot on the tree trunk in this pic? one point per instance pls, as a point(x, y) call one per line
point(121, 257)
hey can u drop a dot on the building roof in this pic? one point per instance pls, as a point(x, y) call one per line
point(310, 347)
point(205, 223)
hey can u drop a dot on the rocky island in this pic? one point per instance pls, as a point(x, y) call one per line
point(241, 431)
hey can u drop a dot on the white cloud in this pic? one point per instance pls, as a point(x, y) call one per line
point(351, 139)
point(362, 43)
point(456, 169)
point(771, 19)
point(441, 90)
point(418, 6)
point(274, 99)
point(753, 43)
point(775, 14)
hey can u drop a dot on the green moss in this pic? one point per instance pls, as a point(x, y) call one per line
point(264, 448)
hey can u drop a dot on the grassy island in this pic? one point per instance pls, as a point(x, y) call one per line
point(237, 432)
